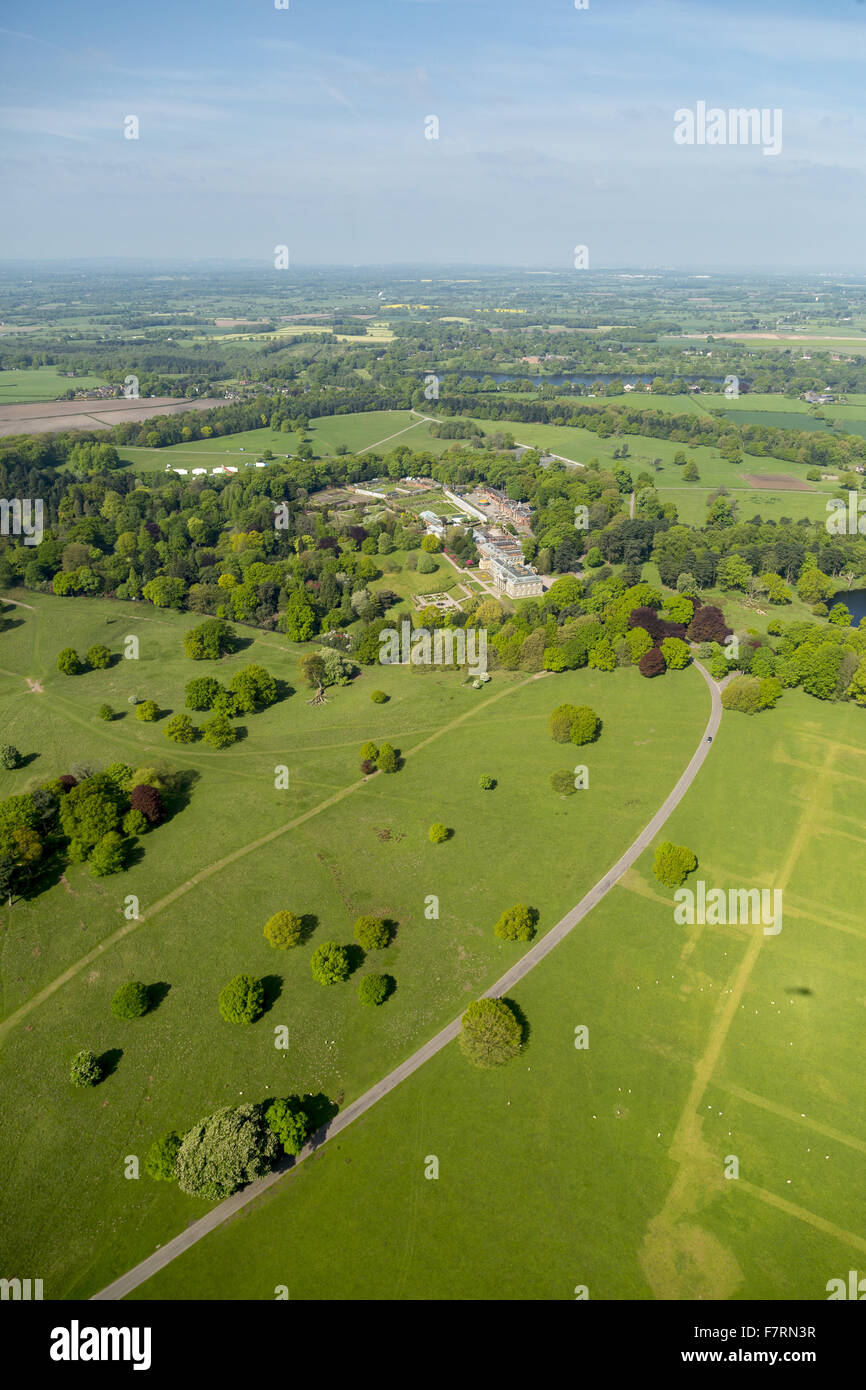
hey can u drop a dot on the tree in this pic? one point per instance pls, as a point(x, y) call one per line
point(147, 799)
point(372, 933)
point(490, 1033)
point(690, 472)
point(131, 1000)
point(639, 643)
point(98, 657)
point(210, 640)
point(813, 586)
point(856, 689)
point(426, 564)
point(681, 609)
point(561, 721)
point(330, 963)
point(218, 731)
point(708, 625)
point(69, 662)
point(289, 1121)
point(672, 863)
point(676, 653)
point(516, 923)
point(254, 688)
point(312, 668)
point(85, 1070)
point(369, 751)
point(284, 929)
point(10, 757)
point(585, 725)
point(438, 833)
point(201, 692)
point(652, 663)
point(379, 697)
point(232, 1147)
point(135, 823)
point(105, 712)
point(242, 1000)
point(108, 855)
point(91, 810)
point(147, 711)
point(299, 620)
point(165, 591)
point(387, 760)
point(161, 1158)
point(487, 783)
point(602, 657)
point(840, 615)
point(374, 989)
point(733, 573)
point(180, 729)
point(8, 874)
point(563, 782)
point(749, 694)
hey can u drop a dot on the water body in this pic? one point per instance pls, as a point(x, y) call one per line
point(855, 601)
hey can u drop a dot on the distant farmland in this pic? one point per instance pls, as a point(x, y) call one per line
point(52, 416)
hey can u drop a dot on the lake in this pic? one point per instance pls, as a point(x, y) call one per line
point(855, 601)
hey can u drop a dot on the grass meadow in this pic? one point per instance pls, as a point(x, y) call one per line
point(605, 1167)
point(332, 846)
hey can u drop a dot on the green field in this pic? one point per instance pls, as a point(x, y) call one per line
point(41, 384)
point(331, 846)
point(605, 1167)
point(382, 430)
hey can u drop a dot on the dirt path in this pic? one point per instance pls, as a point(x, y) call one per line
point(214, 1218)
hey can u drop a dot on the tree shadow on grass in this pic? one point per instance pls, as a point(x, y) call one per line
point(28, 758)
point(179, 797)
point(134, 854)
point(392, 927)
point(273, 988)
point(155, 995)
point(284, 690)
point(356, 957)
point(320, 1111)
point(525, 1029)
point(309, 922)
point(109, 1060)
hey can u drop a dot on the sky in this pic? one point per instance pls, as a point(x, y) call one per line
point(307, 127)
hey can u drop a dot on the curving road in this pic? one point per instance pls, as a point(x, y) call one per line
point(164, 1256)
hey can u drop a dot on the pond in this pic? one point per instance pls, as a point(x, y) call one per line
point(855, 601)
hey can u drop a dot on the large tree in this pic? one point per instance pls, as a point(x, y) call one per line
point(232, 1147)
point(490, 1033)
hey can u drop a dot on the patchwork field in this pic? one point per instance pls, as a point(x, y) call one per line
point(330, 847)
point(605, 1167)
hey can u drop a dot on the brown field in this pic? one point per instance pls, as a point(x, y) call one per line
point(48, 417)
point(777, 482)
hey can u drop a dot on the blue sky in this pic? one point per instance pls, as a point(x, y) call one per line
point(305, 126)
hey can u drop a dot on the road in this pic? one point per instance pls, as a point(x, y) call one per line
point(214, 1218)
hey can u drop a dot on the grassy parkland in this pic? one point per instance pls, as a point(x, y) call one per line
point(330, 847)
point(705, 1042)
